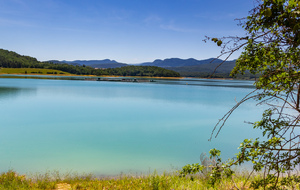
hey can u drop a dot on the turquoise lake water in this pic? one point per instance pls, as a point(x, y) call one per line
point(111, 127)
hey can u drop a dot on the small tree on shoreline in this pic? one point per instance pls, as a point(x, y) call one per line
point(270, 48)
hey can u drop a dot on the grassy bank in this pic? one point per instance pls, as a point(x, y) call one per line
point(32, 71)
point(54, 180)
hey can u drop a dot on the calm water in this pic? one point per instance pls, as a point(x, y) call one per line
point(113, 127)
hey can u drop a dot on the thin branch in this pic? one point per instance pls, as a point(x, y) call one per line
point(226, 116)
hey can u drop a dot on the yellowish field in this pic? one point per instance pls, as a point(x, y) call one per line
point(32, 71)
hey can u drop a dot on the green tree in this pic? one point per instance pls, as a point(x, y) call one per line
point(270, 48)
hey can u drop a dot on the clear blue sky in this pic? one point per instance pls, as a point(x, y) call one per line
point(128, 31)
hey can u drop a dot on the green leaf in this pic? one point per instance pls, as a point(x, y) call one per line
point(268, 12)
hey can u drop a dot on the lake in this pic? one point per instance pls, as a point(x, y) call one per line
point(108, 128)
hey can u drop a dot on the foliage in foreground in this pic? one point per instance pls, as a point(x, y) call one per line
point(270, 49)
point(54, 180)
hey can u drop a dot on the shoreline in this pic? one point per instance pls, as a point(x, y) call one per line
point(41, 76)
point(19, 75)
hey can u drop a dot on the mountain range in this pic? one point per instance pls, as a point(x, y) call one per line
point(186, 67)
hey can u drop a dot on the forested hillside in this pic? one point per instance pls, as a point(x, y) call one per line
point(10, 59)
point(142, 71)
point(106, 63)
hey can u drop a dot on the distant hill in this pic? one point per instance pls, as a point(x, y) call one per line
point(166, 63)
point(106, 63)
point(195, 68)
point(186, 67)
point(206, 69)
point(61, 62)
point(176, 62)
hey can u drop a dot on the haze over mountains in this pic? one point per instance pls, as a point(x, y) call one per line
point(186, 67)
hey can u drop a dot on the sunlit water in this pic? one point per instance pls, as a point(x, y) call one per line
point(111, 127)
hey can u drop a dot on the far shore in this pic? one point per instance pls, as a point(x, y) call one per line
point(40, 73)
point(36, 75)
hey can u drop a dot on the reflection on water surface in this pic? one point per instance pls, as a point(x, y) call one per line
point(11, 92)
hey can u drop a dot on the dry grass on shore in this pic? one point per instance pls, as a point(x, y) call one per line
point(56, 181)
